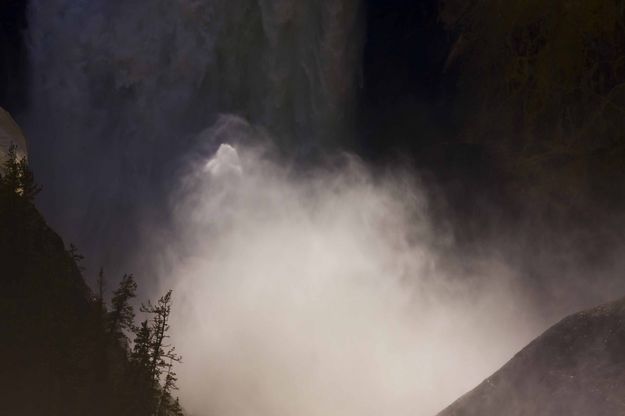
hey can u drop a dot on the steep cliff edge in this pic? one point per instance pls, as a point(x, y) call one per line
point(577, 367)
point(65, 352)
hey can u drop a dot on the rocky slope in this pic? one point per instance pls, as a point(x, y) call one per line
point(11, 134)
point(577, 367)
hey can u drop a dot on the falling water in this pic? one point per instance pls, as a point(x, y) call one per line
point(297, 293)
point(121, 88)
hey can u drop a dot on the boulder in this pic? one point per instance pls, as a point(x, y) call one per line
point(575, 368)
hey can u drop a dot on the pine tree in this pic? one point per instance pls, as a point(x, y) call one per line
point(101, 393)
point(141, 397)
point(28, 188)
point(121, 318)
point(141, 350)
point(160, 351)
point(18, 178)
point(176, 409)
point(11, 176)
point(161, 355)
point(167, 405)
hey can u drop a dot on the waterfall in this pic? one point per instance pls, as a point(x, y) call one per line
point(318, 291)
point(120, 88)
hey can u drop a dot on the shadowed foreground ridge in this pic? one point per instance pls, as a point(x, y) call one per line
point(68, 351)
point(577, 367)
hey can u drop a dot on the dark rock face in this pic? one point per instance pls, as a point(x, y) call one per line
point(577, 367)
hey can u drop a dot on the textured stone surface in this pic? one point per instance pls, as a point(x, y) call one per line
point(577, 367)
point(10, 133)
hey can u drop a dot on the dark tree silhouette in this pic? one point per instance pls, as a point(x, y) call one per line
point(69, 351)
point(18, 178)
point(160, 352)
point(121, 318)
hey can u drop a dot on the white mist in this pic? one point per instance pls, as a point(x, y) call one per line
point(322, 294)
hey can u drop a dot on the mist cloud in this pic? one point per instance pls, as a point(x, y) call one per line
point(325, 292)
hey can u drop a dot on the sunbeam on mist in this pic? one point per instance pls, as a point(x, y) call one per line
point(322, 294)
